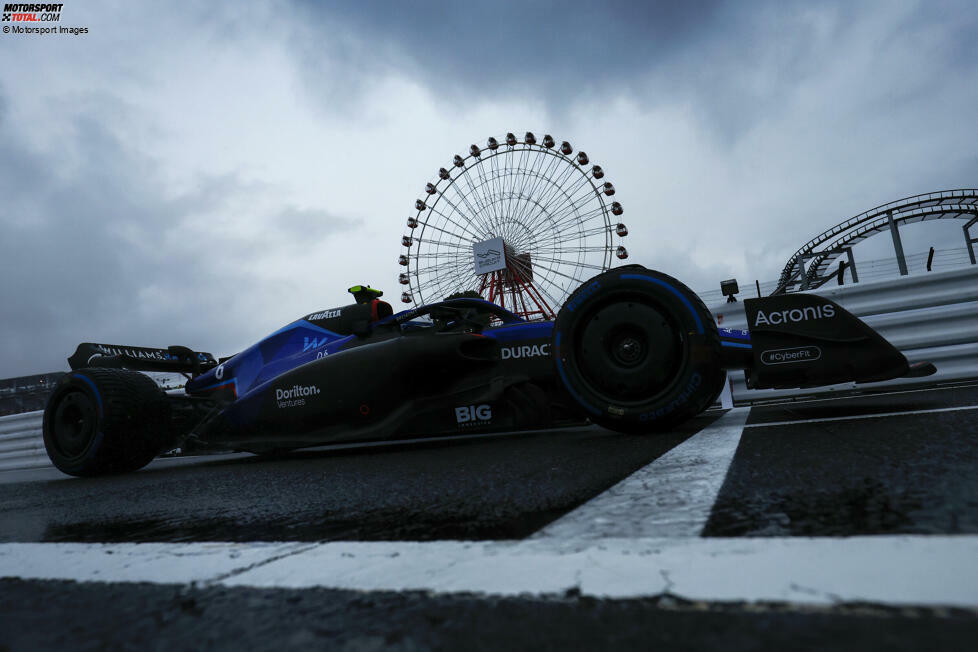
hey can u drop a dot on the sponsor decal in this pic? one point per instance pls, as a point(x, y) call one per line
point(488, 256)
point(734, 333)
point(525, 351)
point(326, 314)
point(467, 416)
point(794, 315)
point(314, 343)
point(795, 354)
point(140, 354)
point(582, 295)
point(294, 396)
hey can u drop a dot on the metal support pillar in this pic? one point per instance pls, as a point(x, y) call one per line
point(852, 265)
point(803, 272)
point(968, 240)
point(897, 244)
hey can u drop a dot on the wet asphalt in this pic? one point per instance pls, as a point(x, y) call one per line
point(910, 474)
point(820, 474)
point(497, 488)
point(66, 615)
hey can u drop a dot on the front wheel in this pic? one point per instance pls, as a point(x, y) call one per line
point(100, 421)
point(638, 350)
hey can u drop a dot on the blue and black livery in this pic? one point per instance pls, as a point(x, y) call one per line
point(632, 349)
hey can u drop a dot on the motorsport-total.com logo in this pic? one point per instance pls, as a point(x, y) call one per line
point(26, 19)
point(31, 13)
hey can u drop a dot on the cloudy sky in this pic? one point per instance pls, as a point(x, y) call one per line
point(201, 174)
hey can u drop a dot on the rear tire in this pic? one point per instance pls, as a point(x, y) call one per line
point(638, 350)
point(101, 421)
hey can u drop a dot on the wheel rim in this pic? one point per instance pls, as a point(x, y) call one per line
point(629, 350)
point(74, 424)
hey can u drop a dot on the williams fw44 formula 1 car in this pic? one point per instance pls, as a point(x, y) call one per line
point(631, 349)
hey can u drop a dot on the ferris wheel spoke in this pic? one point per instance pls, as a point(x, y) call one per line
point(526, 180)
point(488, 194)
point(454, 234)
point(576, 197)
point(465, 219)
point(566, 250)
point(549, 203)
point(548, 186)
point(473, 193)
point(529, 191)
point(473, 218)
point(528, 273)
point(516, 178)
point(473, 212)
point(544, 204)
point(540, 178)
point(557, 261)
point(583, 187)
point(572, 216)
point(553, 214)
point(571, 193)
point(437, 268)
point(498, 185)
point(554, 270)
point(479, 227)
point(454, 244)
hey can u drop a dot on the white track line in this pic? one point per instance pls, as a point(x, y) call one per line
point(861, 416)
point(671, 497)
point(896, 570)
point(849, 397)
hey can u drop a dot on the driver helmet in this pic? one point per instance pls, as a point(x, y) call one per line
point(364, 293)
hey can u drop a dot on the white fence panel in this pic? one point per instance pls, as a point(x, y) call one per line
point(21, 443)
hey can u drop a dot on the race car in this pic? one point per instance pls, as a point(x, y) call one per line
point(632, 349)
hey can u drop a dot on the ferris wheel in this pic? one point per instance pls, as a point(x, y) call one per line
point(521, 222)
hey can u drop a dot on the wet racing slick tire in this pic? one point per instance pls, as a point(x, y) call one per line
point(101, 421)
point(638, 350)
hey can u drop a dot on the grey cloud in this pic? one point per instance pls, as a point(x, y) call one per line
point(733, 63)
point(99, 251)
point(309, 224)
point(467, 52)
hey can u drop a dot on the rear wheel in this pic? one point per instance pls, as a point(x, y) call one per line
point(638, 350)
point(100, 421)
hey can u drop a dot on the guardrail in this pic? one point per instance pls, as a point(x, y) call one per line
point(929, 317)
point(21, 443)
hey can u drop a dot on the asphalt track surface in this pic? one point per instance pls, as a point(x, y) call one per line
point(899, 467)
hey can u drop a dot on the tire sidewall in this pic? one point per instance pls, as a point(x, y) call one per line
point(130, 423)
point(86, 463)
point(682, 396)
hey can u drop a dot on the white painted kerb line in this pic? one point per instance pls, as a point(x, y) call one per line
point(895, 570)
point(854, 417)
point(671, 497)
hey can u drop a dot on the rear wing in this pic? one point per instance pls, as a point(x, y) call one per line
point(806, 340)
point(176, 359)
